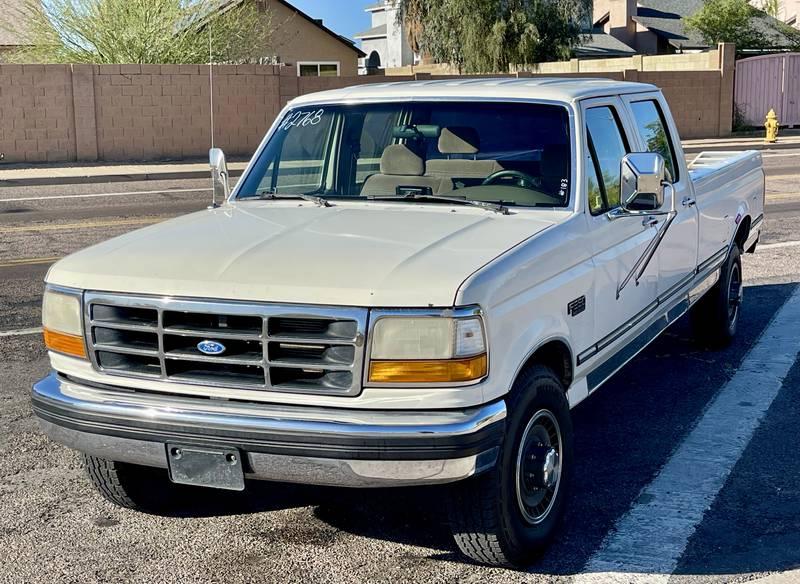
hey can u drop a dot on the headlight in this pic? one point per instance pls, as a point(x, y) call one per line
point(427, 349)
point(61, 318)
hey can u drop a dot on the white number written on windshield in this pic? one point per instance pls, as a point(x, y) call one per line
point(302, 119)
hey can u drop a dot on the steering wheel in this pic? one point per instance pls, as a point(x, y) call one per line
point(523, 180)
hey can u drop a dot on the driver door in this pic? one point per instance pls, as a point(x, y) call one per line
point(616, 244)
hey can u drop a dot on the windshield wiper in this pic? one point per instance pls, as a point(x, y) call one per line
point(319, 201)
point(495, 207)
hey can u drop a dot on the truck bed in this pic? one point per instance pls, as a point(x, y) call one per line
point(709, 169)
point(728, 188)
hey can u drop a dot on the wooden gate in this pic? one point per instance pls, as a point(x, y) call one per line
point(769, 81)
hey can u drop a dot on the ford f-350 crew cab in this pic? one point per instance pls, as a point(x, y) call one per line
point(410, 284)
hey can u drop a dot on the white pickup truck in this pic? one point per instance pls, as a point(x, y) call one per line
point(412, 283)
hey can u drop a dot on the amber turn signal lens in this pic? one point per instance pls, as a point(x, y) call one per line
point(63, 343)
point(433, 371)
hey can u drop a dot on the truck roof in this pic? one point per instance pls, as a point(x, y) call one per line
point(566, 89)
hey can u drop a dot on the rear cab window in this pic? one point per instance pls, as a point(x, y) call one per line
point(652, 127)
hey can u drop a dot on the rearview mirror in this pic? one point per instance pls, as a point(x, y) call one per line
point(219, 176)
point(642, 182)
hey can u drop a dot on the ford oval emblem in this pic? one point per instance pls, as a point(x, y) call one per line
point(211, 347)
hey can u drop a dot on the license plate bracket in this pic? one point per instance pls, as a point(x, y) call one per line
point(219, 468)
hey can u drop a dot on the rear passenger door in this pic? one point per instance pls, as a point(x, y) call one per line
point(616, 244)
point(677, 253)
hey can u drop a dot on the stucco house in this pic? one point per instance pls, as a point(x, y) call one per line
point(788, 11)
point(298, 40)
point(304, 42)
point(657, 27)
point(385, 43)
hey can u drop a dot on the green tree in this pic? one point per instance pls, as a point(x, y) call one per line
point(142, 31)
point(488, 36)
point(730, 21)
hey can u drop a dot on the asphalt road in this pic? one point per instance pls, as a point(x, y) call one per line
point(54, 528)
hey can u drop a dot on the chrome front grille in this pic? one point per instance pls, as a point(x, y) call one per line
point(268, 347)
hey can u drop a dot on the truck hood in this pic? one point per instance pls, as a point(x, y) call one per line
point(357, 254)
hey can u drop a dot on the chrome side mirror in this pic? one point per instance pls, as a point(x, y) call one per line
point(642, 182)
point(219, 176)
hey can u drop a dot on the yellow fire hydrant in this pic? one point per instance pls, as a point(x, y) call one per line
point(772, 126)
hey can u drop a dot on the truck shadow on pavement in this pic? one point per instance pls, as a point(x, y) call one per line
point(622, 438)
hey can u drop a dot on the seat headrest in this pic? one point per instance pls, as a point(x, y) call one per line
point(399, 160)
point(459, 140)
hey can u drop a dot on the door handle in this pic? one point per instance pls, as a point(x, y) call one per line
point(688, 202)
point(649, 222)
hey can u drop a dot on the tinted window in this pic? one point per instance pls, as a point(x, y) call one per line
point(509, 153)
point(506, 131)
point(607, 147)
point(299, 169)
point(653, 130)
point(597, 202)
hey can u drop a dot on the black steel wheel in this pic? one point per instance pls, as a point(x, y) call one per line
point(715, 317)
point(507, 516)
point(539, 466)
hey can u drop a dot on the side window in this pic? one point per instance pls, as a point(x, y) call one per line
point(607, 147)
point(653, 129)
point(597, 200)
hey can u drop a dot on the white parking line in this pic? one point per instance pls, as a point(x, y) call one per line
point(93, 195)
point(779, 245)
point(21, 332)
point(770, 155)
point(647, 542)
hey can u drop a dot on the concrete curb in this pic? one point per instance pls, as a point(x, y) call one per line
point(695, 148)
point(107, 178)
point(149, 173)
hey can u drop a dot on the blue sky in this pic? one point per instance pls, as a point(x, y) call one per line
point(346, 17)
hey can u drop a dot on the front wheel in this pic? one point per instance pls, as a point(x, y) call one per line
point(715, 317)
point(132, 486)
point(507, 516)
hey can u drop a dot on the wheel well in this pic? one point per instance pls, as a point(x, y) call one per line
point(557, 356)
point(742, 233)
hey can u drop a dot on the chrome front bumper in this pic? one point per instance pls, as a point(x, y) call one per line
point(323, 446)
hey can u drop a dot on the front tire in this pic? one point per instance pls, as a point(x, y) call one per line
point(132, 486)
point(507, 516)
point(715, 317)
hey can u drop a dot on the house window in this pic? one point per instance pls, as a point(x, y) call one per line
point(314, 69)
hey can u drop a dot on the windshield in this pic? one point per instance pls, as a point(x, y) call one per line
point(508, 153)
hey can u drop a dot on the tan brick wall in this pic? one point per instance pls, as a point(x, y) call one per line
point(162, 112)
point(37, 122)
point(693, 97)
point(705, 61)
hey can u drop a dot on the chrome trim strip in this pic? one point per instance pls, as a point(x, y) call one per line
point(289, 469)
point(63, 289)
point(710, 262)
point(676, 288)
point(707, 266)
point(161, 304)
point(241, 416)
point(624, 355)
